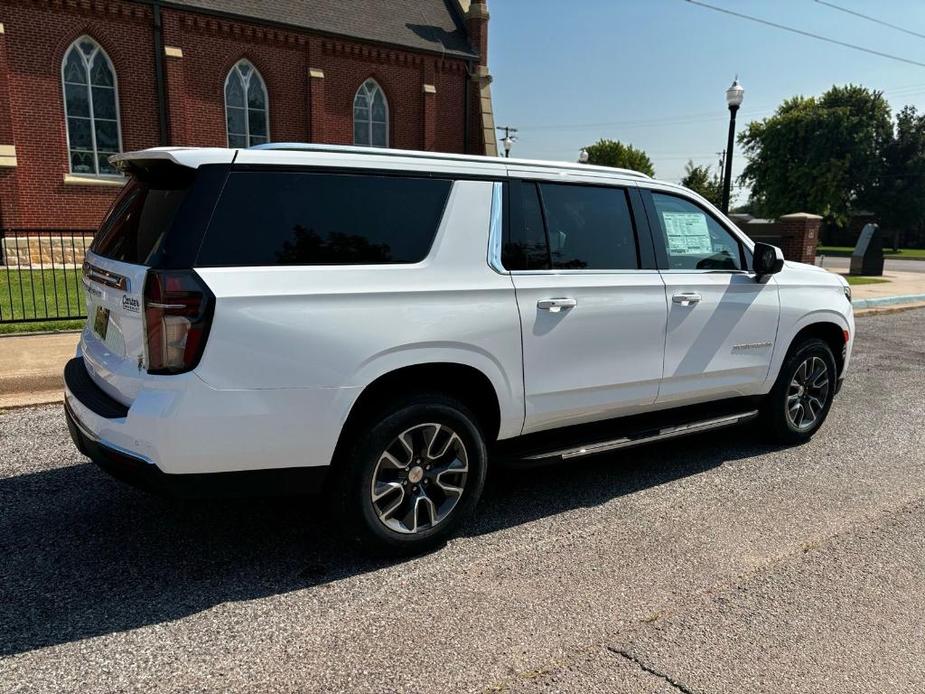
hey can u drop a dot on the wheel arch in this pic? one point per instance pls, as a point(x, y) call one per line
point(827, 324)
point(462, 381)
point(830, 332)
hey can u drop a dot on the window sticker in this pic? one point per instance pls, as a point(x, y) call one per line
point(687, 233)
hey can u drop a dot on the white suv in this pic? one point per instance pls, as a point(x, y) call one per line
point(382, 325)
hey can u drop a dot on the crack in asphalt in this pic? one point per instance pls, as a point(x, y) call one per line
point(650, 670)
point(868, 522)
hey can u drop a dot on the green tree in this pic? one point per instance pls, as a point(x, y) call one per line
point(899, 195)
point(703, 181)
point(613, 153)
point(821, 155)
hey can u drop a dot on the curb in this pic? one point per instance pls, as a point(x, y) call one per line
point(31, 382)
point(884, 310)
point(41, 332)
point(17, 401)
point(888, 301)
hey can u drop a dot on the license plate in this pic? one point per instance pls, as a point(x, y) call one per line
point(101, 322)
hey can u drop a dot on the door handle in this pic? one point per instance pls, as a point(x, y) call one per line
point(686, 298)
point(556, 305)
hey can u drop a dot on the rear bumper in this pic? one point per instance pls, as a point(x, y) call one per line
point(129, 445)
point(119, 464)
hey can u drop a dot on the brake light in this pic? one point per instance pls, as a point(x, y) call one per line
point(178, 313)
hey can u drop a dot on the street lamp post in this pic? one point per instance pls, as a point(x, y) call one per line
point(734, 96)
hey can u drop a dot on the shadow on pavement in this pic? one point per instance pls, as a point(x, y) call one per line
point(84, 555)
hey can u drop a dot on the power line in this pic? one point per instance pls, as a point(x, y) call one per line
point(870, 19)
point(801, 32)
point(681, 119)
point(692, 118)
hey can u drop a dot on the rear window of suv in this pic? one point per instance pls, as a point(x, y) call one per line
point(303, 218)
point(138, 222)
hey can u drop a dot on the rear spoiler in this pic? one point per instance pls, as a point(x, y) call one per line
point(189, 157)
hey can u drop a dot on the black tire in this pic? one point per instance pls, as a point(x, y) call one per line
point(777, 422)
point(352, 477)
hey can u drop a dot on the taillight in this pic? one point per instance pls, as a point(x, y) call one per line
point(178, 314)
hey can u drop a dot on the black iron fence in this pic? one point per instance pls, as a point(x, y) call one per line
point(40, 274)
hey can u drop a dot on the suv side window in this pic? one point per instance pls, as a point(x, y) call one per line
point(589, 227)
point(570, 227)
point(307, 218)
point(693, 239)
point(525, 247)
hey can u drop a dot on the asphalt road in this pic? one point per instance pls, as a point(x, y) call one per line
point(836, 263)
point(715, 564)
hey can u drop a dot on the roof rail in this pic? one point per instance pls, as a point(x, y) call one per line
point(417, 154)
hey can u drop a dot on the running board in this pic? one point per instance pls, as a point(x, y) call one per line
point(650, 436)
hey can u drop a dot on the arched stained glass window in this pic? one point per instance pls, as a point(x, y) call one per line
point(370, 116)
point(246, 106)
point(91, 106)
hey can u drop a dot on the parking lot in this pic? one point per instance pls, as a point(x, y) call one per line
point(713, 564)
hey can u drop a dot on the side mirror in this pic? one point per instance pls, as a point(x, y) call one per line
point(767, 260)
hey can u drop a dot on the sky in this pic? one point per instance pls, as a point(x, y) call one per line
point(653, 73)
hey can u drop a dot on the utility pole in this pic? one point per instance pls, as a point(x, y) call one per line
point(509, 138)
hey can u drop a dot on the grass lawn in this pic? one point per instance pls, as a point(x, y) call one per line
point(855, 280)
point(31, 294)
point(47, 326)
point(845, 252)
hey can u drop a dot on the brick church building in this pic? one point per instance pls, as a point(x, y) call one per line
point(82, 79)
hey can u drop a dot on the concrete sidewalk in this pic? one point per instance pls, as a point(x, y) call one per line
point(902, 288)
point(900, 283)
point(31, 366)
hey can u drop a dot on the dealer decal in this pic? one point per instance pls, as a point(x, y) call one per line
point(131, 304)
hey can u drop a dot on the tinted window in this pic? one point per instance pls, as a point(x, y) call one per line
point(694, 239)
point(589, 227)
point(526, 248)
point(140, 218)
point(293, 218)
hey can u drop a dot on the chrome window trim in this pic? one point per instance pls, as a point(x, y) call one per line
point(496, 229)
point(567, 273)
point(677, 271)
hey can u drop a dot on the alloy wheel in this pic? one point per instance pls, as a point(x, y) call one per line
point(419, 478)
point(807, 393)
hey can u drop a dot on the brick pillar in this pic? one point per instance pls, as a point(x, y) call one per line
point(429, 110)
point(481, 117)
point(477, 28)
point(316, 115)
point(7, 146)
point(176, 95)
point(801, 236)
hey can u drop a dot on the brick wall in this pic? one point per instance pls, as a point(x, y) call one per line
point(33, 194)
point(301, 108)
